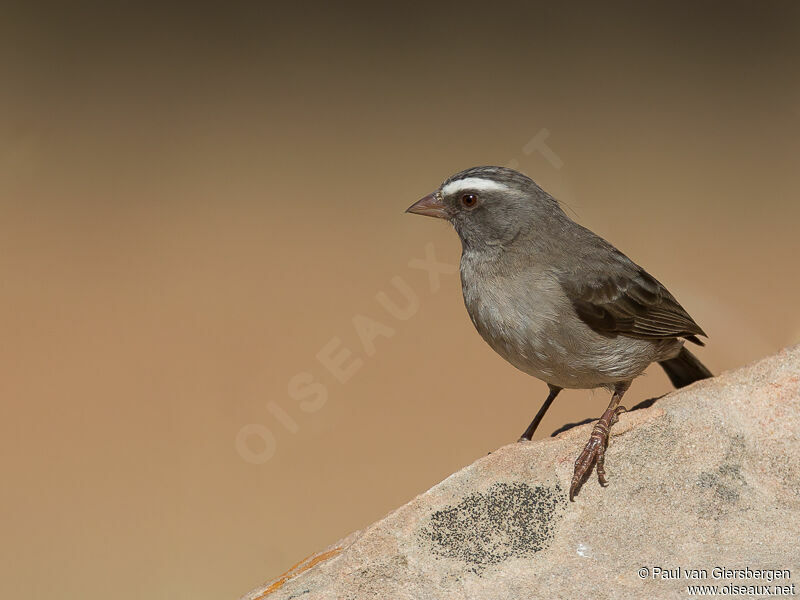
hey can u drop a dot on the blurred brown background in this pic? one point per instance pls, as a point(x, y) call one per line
point(195, 201)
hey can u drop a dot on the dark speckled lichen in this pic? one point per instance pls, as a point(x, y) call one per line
point(726, 480)
point(508, 520)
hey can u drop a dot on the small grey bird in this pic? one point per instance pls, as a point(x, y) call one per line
point(557, 301)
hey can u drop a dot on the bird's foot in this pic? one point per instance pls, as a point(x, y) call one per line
point(594, 453)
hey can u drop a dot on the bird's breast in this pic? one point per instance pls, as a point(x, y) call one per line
point(516, 313)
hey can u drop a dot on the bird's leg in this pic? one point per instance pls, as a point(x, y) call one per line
point(595, 449)
point(528, 435)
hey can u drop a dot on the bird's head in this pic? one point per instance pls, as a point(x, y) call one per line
point(488, 206)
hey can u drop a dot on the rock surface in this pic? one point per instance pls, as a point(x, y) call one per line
point(707, 477)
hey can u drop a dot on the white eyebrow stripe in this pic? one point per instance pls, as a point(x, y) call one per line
point(472, 183)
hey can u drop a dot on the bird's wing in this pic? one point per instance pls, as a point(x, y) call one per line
point(614, 296)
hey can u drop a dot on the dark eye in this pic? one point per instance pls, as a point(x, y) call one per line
point(469, 200)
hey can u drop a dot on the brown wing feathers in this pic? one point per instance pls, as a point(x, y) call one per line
point(635, 306)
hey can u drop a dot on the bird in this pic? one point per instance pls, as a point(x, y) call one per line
point(558, 301)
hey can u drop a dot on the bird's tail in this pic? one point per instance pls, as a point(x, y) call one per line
point(685, 369)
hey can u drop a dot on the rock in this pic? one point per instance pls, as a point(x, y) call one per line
point(706, 478)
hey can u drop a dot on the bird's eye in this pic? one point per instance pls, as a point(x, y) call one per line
point(469, 200)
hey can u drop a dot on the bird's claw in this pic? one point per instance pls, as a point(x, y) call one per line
point(594, 453)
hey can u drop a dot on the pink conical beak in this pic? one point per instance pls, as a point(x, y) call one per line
point(430, 206)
